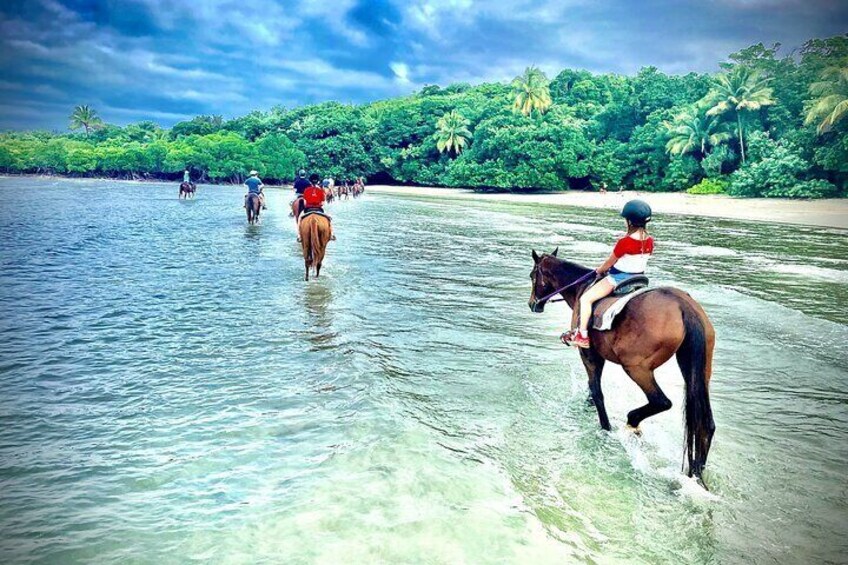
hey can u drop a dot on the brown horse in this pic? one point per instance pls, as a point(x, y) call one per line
point(187, 190)
point(653, 326)
point(315, 233)
point(253, 206)
point(297, 208)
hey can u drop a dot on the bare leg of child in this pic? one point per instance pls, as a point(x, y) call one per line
point(601, 289)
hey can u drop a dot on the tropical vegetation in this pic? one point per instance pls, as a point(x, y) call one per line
point(767, 124)
point(532, 92)
point(84, 117)
point(452, 133)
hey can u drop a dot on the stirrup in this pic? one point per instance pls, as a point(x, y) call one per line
point(567, 337)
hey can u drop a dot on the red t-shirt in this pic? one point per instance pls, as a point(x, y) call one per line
point(630, 246)
point(313, 197)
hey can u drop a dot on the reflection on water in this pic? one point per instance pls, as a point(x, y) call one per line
point(317, 299)
point(172, 390)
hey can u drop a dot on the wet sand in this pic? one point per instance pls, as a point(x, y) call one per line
point(832, 212)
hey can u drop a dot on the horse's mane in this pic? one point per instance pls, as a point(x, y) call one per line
point(566, 270)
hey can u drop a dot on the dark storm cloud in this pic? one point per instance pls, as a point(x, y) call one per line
point(167, 60)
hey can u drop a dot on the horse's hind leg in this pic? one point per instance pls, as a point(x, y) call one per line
point(657, 400)
point(594, 364)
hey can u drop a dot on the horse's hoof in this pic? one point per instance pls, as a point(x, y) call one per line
point(637, 431)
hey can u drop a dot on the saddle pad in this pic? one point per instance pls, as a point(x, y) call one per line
point(605, 310)
point(316, 213)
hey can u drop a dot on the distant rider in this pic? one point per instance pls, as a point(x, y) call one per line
point(300, 183)
point(186, 176)
point(254, 186)
point(629, 257)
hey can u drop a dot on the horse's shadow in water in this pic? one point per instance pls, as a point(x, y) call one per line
point(252, 232)
point(317, 299)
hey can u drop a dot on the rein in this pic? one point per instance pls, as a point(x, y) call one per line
point(548, 297)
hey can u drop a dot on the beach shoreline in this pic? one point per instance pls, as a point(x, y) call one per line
point(830, 213)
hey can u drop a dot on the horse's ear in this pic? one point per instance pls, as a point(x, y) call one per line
point(536, 258)
point(555, 251)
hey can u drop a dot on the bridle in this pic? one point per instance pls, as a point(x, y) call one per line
point(547, 297)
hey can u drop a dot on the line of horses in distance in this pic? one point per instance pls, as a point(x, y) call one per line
point(314, 225)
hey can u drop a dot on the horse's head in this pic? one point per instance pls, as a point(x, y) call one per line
point(542, 280)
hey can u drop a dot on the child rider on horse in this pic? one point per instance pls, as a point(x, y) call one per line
point(629, 257)
point(313, 201)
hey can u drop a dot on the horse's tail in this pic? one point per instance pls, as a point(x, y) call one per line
point(253, 208)
point(314, 243)
point(305, 231)
point(695, 360)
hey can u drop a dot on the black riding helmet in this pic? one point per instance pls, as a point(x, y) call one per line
point(637, 212)
point(314, 178)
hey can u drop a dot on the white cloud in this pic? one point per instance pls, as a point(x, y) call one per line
point(322, 72)
point(401, 71)
point(226, 22)
point(142, 114)
point(428, 15)
point(213, 95)
point(27, 46)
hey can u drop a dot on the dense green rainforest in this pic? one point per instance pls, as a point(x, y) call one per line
point(768, 124)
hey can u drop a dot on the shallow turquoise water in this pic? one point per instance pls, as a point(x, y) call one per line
point(171, 391)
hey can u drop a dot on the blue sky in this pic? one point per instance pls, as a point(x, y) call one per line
point(168, 60)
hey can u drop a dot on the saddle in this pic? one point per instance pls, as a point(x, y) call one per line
point(631, 284)
point(605, 311)
point(315, 212)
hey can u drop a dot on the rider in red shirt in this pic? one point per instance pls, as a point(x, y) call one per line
point(313, 201)
point(313, 198)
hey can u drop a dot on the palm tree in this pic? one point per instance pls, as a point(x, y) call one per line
point(452, 132)
point(737, 91)
point(832, 103)
point(85, 117)
point(695, 131)
point(531, 91)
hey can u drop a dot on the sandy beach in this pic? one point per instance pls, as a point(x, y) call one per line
point(831, 213)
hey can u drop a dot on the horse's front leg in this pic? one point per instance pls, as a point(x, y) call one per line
point(594, 364)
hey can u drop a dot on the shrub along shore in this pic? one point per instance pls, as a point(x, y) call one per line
point(767, 124)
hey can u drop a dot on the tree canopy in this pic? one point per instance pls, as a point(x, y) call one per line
point(765, 125)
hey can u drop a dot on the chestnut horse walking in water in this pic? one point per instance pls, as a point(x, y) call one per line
point(253, 206)
point(297, 208)
point(653, 326)
point(315, 233)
